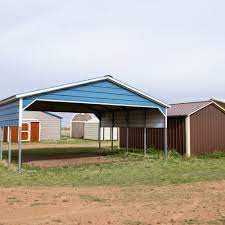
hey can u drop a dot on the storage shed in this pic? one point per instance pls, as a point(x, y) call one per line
point(77, 124)
point(193, 128)
point(86, 126)
point(37, 126)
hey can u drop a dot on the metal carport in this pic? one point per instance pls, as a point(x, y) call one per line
point(115, 103)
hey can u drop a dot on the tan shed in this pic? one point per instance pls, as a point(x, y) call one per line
point(37, 126)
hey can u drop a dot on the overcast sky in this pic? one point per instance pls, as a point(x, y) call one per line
point(173, 50)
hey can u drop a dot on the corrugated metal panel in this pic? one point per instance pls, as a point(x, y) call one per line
point(9, 114)
point(101, 92)
point(155, 136)
point(176, 134)
point(207, 130)
point(136, 138)
point(136, 118)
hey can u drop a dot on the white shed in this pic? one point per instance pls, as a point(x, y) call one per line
point(88, 128)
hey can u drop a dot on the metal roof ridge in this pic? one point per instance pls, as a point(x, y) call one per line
point(106, 77)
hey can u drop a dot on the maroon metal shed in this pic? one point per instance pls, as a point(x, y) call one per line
point(193, 128)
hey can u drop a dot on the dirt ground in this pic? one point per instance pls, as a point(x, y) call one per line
point(69, 159)
point(59, 145)
point(201, 203)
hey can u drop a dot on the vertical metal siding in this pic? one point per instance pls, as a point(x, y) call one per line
point(155, 136)
point(207, 130)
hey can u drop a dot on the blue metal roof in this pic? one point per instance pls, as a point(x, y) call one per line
point(103, 91)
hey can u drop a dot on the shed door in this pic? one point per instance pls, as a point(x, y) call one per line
point(34, 131)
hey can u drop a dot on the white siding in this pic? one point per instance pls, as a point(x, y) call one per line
point(107, 133)
point(91, 132)
point(50, 126)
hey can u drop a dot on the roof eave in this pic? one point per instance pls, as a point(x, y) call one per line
point(8, 100)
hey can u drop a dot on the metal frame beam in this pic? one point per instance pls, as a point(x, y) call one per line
point(19, 136)
point(165, 137)
point(127, 131)
point(9, 145)
point(1, 144)
point(145, 135)
point(112, 131)
point(99, 133)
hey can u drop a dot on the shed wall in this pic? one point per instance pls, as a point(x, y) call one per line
point(77, 129)
point(50, 126)
point(207, 128)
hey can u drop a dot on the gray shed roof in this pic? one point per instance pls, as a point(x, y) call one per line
point(184, 109)
point(82, 117)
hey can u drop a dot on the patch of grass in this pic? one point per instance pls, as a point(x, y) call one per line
point(131, 168)
point(64, 140)
point(217, 221)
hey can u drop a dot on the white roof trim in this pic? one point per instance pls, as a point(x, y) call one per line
point(212, 102)
point(218, 100)
point(91, 81)
point(108, 77)
point(138, 92)
point(59, 87)
point(199, 109)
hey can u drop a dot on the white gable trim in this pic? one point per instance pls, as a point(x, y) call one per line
point(109, 78)
point(214, 103)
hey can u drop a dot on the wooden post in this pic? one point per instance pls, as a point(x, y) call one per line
point(9, 145)
point(1, 144)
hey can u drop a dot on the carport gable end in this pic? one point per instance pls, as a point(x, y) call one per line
point(107, 91)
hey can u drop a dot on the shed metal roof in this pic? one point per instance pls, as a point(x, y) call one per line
point(82, 117)
point(185, 109)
